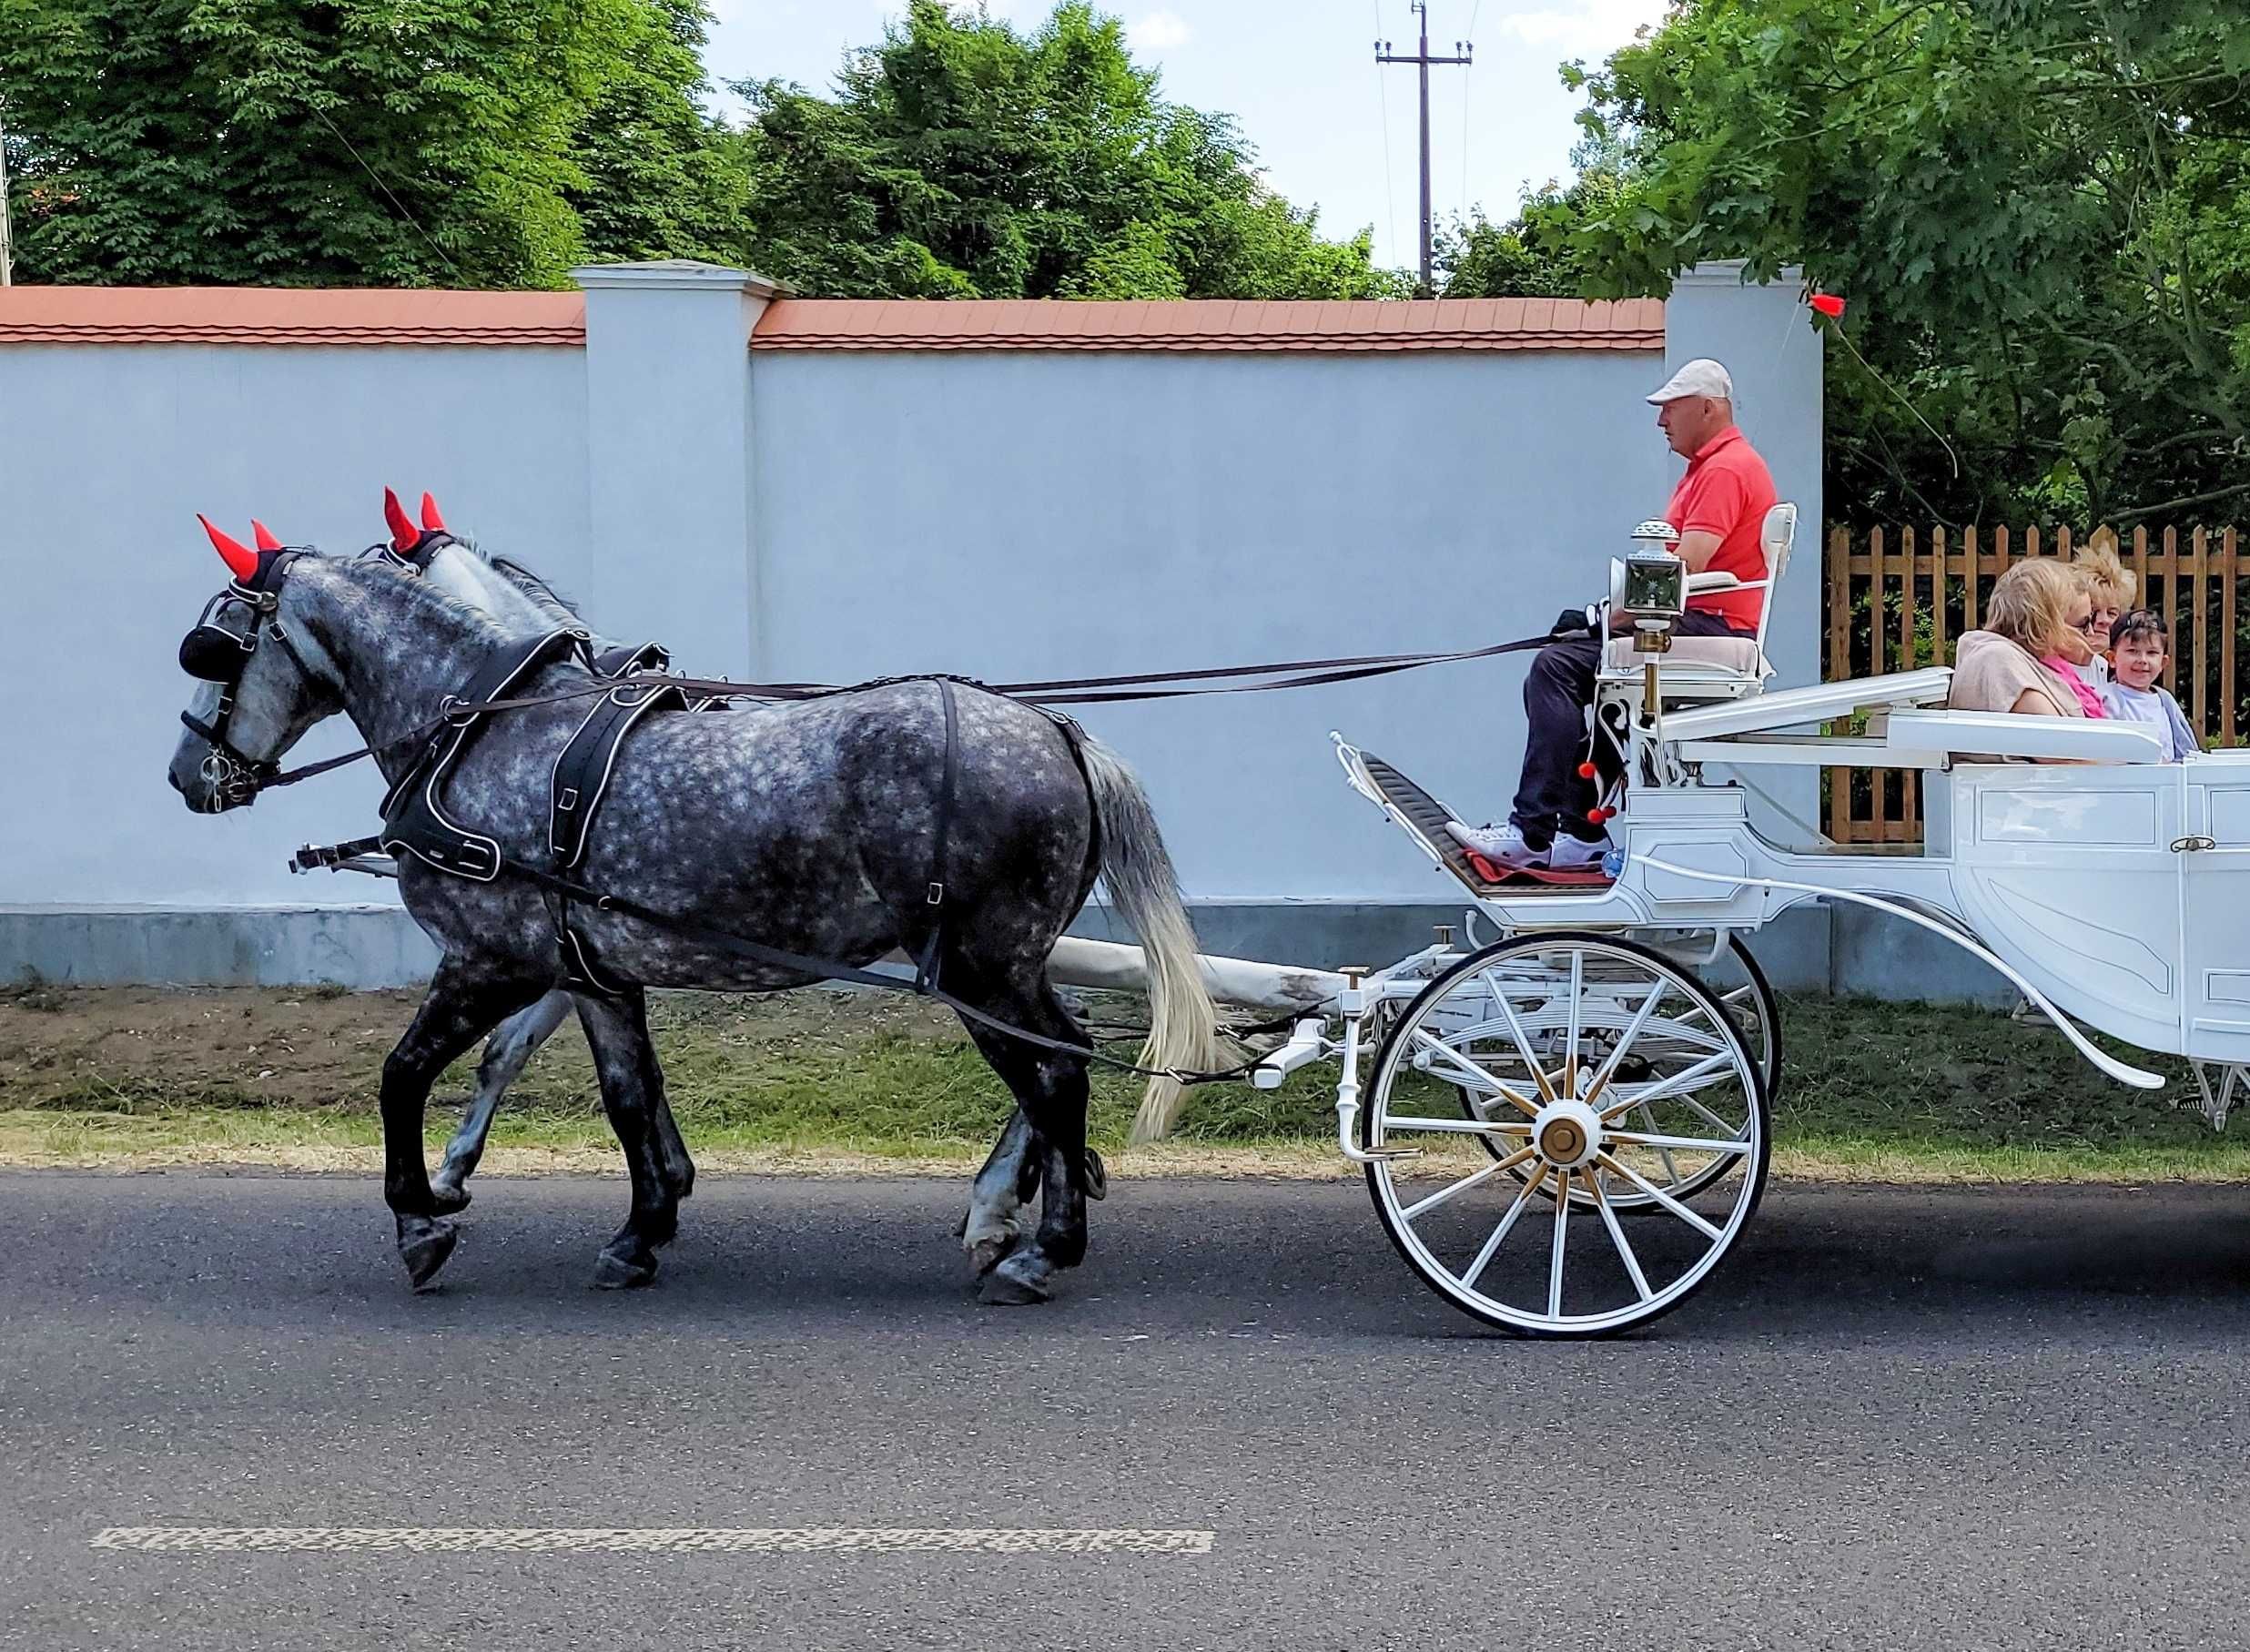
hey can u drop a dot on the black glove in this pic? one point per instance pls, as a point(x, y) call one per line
point(1574, 622)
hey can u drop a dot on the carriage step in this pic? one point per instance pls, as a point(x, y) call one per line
point(1425, 817)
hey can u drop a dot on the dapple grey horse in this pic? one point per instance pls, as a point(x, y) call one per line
point(808, 828)
point(521, 601)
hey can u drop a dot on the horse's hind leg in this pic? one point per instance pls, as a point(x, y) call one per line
point(1050, 1087)
point(632, 1092)
point(503, 1061)
point(462, 1007)
point(1008, 1180)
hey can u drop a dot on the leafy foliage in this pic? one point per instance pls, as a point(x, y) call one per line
point(365, 142)
point(2040, 210)
point(961, 158)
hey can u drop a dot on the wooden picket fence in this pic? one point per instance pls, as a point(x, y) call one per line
point(1896, 598)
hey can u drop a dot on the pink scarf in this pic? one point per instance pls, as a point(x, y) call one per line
point(2088, 701)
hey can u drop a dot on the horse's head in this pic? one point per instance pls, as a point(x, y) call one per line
point(266, 679)
point(509, 594)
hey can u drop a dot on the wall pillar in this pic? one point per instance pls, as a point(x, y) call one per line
point(668, 458)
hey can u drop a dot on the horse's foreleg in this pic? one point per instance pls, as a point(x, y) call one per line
point(505, 1056)
point(462, 1006)
point(633, 1093)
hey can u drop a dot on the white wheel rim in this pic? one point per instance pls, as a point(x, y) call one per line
point(1613, 1002)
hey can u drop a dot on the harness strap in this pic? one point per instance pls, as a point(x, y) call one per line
point(940, 855)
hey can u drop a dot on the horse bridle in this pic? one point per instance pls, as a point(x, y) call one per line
point(214, 651)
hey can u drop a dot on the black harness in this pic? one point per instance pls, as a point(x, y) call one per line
point(218, 649)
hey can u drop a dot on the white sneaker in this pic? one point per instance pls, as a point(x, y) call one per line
point(1503, 846)
point(1576, 853)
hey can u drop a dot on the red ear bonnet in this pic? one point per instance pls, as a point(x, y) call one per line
point(262, 536)
point(241, 560)
point(403, 533)
point(432, 521)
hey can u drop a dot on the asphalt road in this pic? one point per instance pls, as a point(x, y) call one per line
point(1897, 1419)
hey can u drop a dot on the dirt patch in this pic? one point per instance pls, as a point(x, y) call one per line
point(133, 1048)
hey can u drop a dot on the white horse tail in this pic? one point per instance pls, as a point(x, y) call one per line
point(1183, 1023)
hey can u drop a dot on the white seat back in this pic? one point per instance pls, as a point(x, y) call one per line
point(1776, 533)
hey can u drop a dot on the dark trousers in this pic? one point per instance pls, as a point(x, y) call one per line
point(1558, 695)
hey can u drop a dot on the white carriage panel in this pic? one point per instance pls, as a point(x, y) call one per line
point(2069, 874)
point(2215, 907)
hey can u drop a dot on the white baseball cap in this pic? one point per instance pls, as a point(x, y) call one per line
point(1701, 377)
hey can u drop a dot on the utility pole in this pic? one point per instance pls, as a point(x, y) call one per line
point(1423, 60)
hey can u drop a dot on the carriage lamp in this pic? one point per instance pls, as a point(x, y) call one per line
point(1656, 586)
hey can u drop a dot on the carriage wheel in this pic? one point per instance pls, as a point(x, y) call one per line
point(1756, 1015)
point(1648, 1098)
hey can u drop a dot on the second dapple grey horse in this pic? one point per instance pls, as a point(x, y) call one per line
point(808, 827)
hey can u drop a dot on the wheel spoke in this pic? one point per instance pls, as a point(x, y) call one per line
point(1670, 1170)
point(1611, 1162)
point(1456, 1127)
point(1616, 1238)
point(1555, 1257)
point(1625, 1043)
point(1522, 1044)
point(1685, 1143)
point(1499, 1233)
point(1466, 1183)
point(1577, 999)
point(1475, 1074)
point(1664, 1090)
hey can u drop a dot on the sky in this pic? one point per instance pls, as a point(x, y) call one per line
point(1331, 128)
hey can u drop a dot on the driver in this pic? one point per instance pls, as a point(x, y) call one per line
point(1719, 508)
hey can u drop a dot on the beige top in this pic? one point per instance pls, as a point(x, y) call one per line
point(1990, 673)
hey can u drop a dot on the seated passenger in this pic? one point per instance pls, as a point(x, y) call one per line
point(2114, 588)
point(2137, 647)
point(2037, 624)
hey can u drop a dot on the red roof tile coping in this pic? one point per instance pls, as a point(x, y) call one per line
point(287, 316)
point(1211, 324)
point(332, 316)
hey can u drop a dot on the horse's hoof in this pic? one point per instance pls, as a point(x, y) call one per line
point(989, 1252)
point(447, 1198)
point(1019, 1282)
point(1097, 1176)
point(423, 1245)
point(614, 1271)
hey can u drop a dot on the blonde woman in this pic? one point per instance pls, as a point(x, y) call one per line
point(2038, 628)
point(2113, 587)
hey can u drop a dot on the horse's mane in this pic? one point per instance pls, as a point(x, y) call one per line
point(531, 585)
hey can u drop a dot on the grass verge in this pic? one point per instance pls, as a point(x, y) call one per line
point(830, 1083)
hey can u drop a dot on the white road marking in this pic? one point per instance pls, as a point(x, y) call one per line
point(653, 1539)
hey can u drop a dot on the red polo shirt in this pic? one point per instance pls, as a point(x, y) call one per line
point(1727, 492)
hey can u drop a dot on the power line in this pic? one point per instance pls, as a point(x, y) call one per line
point(393, 199)
point(1382, 100)
point(1470, 44)
point(7, 240)
point(1422, 59)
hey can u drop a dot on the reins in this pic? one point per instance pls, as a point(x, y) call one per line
point(463, 716)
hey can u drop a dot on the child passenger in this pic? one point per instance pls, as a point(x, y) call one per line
point(2137, 649)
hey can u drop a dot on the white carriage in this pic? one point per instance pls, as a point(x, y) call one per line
point(1565, 1128)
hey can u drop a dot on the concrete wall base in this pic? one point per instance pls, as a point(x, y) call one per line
point(1851, 951)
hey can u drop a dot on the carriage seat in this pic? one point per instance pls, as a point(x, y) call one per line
point(1707, 668)
point(1735, 656)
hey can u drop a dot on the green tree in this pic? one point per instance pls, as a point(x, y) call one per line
point(379, 142)
point(1540, 253)
point(2039, 208)
point(962, 158)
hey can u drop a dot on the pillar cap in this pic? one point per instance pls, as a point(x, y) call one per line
point(678, 274)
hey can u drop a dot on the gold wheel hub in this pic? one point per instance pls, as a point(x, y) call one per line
point(1567, 1133)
